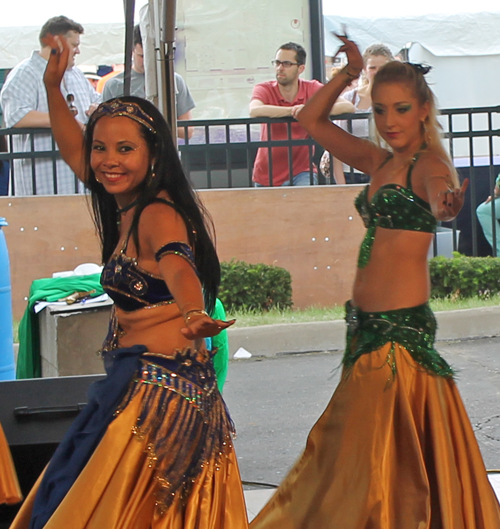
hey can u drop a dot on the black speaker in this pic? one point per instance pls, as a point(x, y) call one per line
point(35, 414)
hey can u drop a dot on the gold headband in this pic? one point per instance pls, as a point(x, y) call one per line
point(131, 110)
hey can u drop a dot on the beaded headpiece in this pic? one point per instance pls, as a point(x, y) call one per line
point(128, 109)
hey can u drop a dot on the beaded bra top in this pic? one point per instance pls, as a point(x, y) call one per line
point(133, 288)
point(392, 207)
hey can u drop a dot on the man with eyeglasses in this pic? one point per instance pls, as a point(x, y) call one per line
point(284, 97)
point(24, 104)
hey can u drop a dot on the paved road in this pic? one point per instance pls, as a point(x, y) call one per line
point(275, 401)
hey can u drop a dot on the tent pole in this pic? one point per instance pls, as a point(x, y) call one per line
point(316, 25)
point(168, 34)
point(129, 8)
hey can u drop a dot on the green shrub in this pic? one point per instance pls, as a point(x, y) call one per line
point(255, 286)
point(464, 277)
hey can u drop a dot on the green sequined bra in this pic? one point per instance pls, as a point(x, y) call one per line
point(393, 207)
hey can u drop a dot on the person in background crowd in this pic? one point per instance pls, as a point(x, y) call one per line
point(114, 86)
point(93, 79)
point(284, 97)
point(106, 73)
point(24, 104)
point(487, 217)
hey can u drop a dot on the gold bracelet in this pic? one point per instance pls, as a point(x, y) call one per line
point(351, 76)
point(194, 305)
point(193, 312)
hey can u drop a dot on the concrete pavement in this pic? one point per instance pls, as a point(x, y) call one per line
point(256, 499)
point(282, 338)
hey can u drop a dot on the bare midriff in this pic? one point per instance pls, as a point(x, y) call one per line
point(397, 275)
point(158, 328)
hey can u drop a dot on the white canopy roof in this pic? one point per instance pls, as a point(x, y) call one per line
point(469, 34)
point(100, 44)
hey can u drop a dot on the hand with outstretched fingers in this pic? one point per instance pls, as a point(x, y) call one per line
point(355, 61)
point(451, 201)
point(204, 326)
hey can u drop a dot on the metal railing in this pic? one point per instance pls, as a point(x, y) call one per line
point(221, 154)
point(14, 136)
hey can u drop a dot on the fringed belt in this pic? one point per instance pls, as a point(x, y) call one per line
point(182, 419)
point(414, 328)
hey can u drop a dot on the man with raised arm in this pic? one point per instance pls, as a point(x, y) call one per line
point(24, 103)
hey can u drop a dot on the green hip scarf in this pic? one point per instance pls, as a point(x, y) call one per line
point(414, 328)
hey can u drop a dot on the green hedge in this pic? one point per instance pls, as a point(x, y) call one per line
point(463, 277)
point(255, 286)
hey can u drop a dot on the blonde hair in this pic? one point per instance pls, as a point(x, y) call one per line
point(413, 76)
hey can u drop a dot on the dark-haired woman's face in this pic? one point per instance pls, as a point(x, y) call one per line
point(398, 115)
point(120, 157)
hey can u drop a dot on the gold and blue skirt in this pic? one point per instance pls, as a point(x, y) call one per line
point(394, 448)
point(151, 450)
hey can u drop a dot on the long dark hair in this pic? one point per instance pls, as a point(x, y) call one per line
point(169, 176)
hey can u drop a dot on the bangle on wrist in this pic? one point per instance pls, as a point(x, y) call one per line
point(352, 76)
point(194, 312)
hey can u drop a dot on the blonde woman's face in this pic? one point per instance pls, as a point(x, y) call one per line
point(373, 65)
point(398, 115)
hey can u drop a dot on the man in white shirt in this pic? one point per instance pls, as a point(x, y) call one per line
point(24, 104)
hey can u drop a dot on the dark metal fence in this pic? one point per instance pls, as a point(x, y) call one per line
point(221, 154)
point(9, 167)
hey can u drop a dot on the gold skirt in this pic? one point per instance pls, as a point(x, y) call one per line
point(117, 489)
point(391, 451)
point(9, 486)
point(165, 461)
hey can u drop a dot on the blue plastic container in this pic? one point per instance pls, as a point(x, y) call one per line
point(7, 367)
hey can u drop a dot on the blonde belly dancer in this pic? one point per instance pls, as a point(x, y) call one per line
point(394, 449)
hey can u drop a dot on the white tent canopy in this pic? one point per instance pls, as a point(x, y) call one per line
point(103, 21)
point(463, 48)
point(466, 34)
point(101, 44)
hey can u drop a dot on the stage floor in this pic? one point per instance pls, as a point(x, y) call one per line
point(256, 499)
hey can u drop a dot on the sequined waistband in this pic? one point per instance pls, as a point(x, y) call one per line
point(414, 328)
point(419, 319)
point(188, 372)
point(195, 384)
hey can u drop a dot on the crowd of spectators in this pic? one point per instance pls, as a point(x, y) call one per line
point(23, 102)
